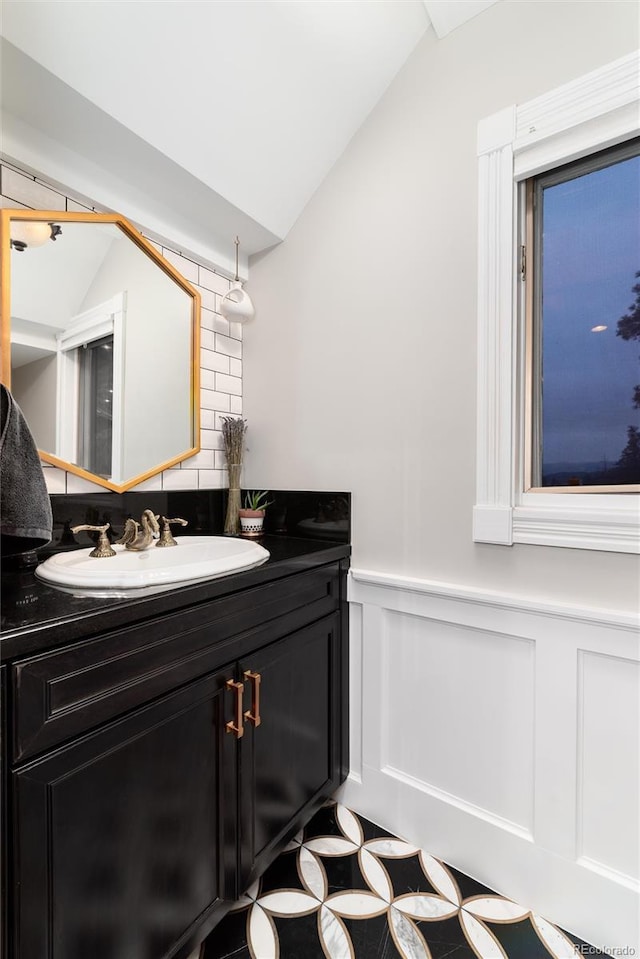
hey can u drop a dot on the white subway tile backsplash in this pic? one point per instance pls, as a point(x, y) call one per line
point(179, 479)
point(228, 384)
point(156, 246)
point(77, 484)
point(204, 460)
point(206, 319)
point(210, 400)
point(207, 379)
point(212, 479)
point(235, 330)
point(74, 207)
point(187, 268)
point(207, 338)
point(214, 361)
point(219, 417)
point(6, 203)
point(150, 485)
point(207, 298)
point(224, 344)
point(55, 479)
point(235, 367)
point(221, 460)
point(236, 405)
point(220, 325)
point(26, 190)
point(208, 420)
point(210, 440)
point(213, 281)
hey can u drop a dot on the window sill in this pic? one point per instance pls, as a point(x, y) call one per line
point(612, 530)
point(576, 526)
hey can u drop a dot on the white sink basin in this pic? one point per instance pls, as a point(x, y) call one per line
point(194, 558)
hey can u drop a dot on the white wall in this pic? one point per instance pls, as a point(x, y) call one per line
point(361, 365)
point(479, 672)
point(32, 386)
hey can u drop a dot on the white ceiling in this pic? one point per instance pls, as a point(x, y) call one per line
point(204, 117)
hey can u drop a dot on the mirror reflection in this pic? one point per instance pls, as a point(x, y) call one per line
point(103, 336)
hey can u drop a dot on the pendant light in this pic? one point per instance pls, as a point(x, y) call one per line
point(236, 305)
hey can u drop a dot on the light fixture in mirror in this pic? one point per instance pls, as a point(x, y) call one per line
point(100, 345)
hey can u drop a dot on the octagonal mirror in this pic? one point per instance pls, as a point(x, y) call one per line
point(100, 345)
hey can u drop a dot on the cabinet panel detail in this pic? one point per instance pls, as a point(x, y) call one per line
point(292, 757)
point(63, 693)
point(117, 823)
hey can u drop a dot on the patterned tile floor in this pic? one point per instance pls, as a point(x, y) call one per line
point(345, 889)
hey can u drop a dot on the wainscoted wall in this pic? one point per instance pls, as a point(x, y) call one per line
point(502, 735)
point(221, 354)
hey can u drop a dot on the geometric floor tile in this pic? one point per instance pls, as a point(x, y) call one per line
point(345, 889)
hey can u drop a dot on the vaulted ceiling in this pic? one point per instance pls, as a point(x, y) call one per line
point(205, 119)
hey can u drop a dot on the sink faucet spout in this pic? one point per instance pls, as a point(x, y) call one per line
point(134, 538)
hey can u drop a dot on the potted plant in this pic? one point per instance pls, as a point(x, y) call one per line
point(252, 514)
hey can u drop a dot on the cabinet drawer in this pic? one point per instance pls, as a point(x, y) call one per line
point(58, 695)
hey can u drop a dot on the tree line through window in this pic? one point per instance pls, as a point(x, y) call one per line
point(585, 373)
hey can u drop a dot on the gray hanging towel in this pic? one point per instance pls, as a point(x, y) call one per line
point(25, 509)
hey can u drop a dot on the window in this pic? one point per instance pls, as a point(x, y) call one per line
point(521, 145)
point(583, 264)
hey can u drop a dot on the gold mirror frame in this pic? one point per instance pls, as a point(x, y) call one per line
point(6, 216)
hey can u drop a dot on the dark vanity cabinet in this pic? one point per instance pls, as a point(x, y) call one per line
point(156, 769)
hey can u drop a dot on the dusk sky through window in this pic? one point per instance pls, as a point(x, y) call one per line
point(591, 253)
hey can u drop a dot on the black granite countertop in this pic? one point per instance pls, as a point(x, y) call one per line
point(36, 617)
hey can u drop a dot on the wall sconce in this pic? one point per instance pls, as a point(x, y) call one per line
point(31, 233)
point(236, 305)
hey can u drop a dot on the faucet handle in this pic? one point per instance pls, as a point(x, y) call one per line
point(166, 539)
point(103, 549)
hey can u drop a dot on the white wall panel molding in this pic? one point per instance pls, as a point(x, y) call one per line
point(608, 710)
point(362, 583)
point(586, 115)
point(499, 733)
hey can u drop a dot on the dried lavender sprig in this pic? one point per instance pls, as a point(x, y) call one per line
point(233, 430)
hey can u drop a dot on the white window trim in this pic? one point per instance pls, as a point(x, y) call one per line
point(598, 110)
point(102, 320)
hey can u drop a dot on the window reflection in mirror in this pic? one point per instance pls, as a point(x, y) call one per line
point(96, 406)
point(103, 340)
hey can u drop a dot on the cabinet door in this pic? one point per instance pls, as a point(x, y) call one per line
point(126, 837)
point(290, 762)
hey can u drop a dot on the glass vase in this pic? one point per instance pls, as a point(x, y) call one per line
point(232, 521)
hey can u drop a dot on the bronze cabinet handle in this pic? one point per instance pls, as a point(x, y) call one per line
point(237, 727)
point(253, 715)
